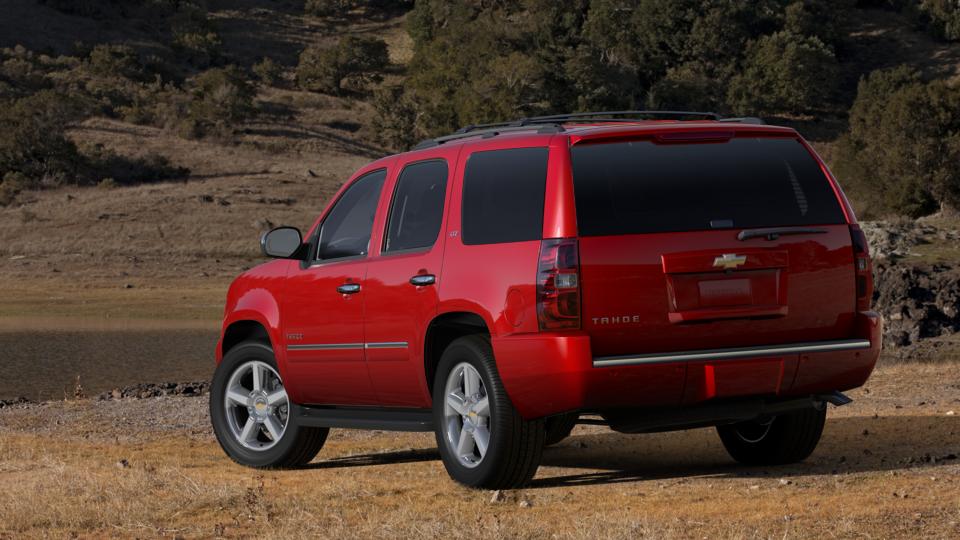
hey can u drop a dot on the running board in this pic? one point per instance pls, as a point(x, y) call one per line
point(385, 418)
point(732, 354)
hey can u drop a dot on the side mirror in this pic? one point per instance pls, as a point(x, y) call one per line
point(282, 243)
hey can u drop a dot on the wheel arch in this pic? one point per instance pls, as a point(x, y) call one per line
point(244, 330)
point(442, 331)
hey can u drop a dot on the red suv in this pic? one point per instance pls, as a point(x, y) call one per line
point(649, 271)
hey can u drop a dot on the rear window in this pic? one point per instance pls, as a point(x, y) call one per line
point(642, 187)
point(503, 194)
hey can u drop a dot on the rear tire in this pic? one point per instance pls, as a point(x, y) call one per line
point(787, 438)
point(273, 440)
point(501, 449)
point(559, 427)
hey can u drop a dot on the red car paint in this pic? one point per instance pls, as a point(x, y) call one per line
point(641, 294)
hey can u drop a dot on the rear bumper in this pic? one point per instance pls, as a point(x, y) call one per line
point(546, 374)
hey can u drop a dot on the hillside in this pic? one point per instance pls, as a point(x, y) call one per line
point(118, 247)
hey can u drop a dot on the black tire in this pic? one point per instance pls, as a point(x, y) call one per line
point(298, 445)
point(789, 438)
point(559, 427)
point(515, 445)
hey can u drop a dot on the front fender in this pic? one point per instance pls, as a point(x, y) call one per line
point(254, 298)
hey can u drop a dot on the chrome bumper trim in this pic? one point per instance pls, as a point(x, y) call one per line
point(731, 354)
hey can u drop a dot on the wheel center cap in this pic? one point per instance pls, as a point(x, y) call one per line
point(260, 406)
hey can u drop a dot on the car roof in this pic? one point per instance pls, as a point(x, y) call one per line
point(580, 131)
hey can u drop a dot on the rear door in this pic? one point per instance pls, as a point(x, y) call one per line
point(671, 259)
point(401, 297)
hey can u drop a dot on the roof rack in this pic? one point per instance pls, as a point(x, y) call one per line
point(554, 123)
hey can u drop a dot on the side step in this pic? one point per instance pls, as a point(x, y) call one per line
point(385, 418)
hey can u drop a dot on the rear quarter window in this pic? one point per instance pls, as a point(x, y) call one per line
point(639, 187)
point(503, 193)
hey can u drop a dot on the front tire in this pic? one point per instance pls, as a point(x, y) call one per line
point(252, 415)
point(786, 438)
point(483, 440)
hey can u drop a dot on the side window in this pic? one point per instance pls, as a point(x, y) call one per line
point(417, 207)
point(346, 230)
point(503, 193)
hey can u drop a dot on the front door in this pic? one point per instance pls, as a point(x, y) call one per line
point(403, 280)
point(323, 303)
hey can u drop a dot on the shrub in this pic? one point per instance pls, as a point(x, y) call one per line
point(195, 37)
point(901, 151)
point(12, 183)
point(108, 169)
point(325, 8)
point(213, 103)
point(396, 120)
point(33, 142)
point(107, 60)
point(686, 88)
point(267, 71)
point(324, 69)
point(944, 17)
point(784, 72)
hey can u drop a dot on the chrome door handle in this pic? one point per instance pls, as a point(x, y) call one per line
point(423, 279)
point(349, 288)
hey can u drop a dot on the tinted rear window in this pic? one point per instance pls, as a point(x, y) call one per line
point(642, 187)
point(503, 194)
point(417, 208)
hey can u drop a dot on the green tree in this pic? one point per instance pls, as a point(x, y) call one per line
point(324, 69)
point(784, 72)
point(901, 152)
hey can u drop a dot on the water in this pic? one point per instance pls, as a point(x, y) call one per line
point(40, 358)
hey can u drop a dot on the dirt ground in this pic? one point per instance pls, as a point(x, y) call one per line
point(887, 467)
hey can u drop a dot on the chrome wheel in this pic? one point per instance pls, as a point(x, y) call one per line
point(754, 432)
point(256, 406)
point(466, 413)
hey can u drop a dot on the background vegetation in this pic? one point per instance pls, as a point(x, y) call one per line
point(890, 133)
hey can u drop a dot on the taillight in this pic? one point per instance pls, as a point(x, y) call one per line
point(864, 272)
point(558, 284)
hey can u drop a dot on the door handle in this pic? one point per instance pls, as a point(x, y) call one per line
point(423, 279)
point(349, 288)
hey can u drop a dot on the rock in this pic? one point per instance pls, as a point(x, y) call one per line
point(497, 496)
point(152, 390)
point(123, 464)
point(525, 504)
point(128, 285)
point(21, 401)
point(950, 413)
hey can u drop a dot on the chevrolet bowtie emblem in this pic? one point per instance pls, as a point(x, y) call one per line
point(729, 261)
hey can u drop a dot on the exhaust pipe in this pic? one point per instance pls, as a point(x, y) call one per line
point(838, 399)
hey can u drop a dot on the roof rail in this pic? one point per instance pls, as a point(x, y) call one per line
point(554, 123)
point(745, 120)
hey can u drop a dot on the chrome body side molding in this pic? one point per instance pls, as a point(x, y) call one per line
point(347, 346)
point(731, 354)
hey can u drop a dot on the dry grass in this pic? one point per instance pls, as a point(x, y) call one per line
point(881, 472)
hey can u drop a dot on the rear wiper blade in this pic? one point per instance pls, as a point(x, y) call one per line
point(776, 232)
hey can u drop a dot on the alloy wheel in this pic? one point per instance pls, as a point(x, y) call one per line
point(256, 405)
point(466, 413)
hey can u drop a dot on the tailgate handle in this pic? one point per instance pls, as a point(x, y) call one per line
point(777, 232)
